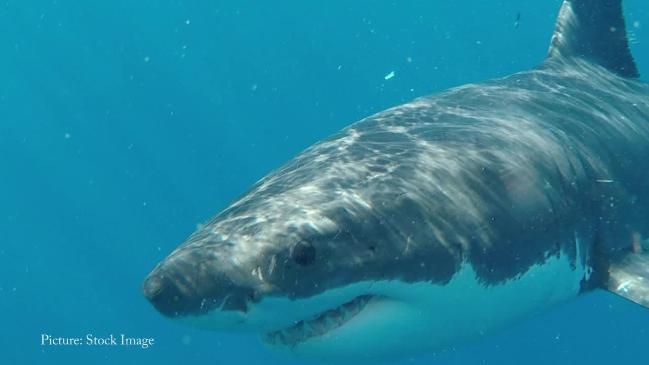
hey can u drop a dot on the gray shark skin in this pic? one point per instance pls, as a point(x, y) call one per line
point(501, 182)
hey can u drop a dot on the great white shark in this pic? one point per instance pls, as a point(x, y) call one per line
point(441, 220)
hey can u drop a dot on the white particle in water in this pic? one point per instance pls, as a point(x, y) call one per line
point(390, 75)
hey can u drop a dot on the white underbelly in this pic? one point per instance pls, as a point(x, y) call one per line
point(413, 318)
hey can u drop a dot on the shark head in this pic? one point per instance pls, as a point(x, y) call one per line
point(307, 259)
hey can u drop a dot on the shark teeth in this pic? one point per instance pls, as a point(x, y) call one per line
point(320, 325)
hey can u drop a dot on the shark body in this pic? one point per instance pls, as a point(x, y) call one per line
point(440, 220)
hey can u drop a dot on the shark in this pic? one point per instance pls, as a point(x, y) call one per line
point(441, 220)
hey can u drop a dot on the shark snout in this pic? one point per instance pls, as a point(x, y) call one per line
point(166, 296)
point(178, 287)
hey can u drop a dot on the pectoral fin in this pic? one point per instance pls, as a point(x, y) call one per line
point(628, 277)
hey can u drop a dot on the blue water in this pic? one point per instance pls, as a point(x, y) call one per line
point(126, 123)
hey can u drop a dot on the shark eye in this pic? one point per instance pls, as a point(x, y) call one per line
point(303, 253)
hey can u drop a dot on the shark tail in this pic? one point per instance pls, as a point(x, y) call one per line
point(593, 30)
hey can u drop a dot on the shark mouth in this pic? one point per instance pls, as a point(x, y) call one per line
point(319, 325)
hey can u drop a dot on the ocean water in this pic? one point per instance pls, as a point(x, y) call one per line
point(124, 124)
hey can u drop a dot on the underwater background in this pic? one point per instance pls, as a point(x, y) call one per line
point(124, 124)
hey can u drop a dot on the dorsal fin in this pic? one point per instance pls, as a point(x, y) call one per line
point(594, 30)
